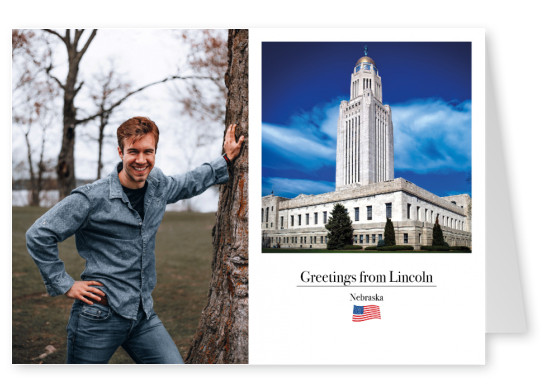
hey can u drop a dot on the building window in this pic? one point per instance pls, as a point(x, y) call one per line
point(373, 238)
point(281, 222)
point(292, 221)
point(301, 240)
point(315, 239)
point(324, 217)
point(419, 238)
point(355, 238)
point(380, 236)
point(370, 212)
point(409, 211)
point(307, 218)
point(299, 219)
point(267, 211)
point(405, 238)
point(361, 238)
point(262, 216)
point(316, 218)
point(418, 213)
point(389, 210)
point(357, 214)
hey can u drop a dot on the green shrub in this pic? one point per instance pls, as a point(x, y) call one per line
point(435, 248)
point(437, 235)
point(390, 237)
point(340, 229)
point(395, 248)
point(460, 249)
point(352, 247)
point(371, 248)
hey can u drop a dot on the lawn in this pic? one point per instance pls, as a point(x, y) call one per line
point(183, 255)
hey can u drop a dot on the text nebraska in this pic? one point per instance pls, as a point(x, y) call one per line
point(360, 297)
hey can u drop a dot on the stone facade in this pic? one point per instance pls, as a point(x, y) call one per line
point(365, 185)
point(300, 222)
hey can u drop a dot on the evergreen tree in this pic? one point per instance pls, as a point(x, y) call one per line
point(340, 228)
point(437, 236)
point(390, 237)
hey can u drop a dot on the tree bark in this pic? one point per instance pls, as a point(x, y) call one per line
point(222, 335)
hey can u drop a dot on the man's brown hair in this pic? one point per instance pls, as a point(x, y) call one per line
point(134, 129)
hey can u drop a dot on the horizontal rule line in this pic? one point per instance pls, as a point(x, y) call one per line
point(366, 286)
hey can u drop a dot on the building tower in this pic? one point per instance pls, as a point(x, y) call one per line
point(365, 145)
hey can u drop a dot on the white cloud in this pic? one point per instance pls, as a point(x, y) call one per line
point(432, 135)
point(283, 186)
point(310, 139)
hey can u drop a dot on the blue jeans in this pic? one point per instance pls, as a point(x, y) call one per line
point(95, 332)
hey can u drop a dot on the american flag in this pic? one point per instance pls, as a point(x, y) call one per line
point(365, 312)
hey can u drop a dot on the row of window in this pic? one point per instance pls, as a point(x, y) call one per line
point(359, 239)
point(267, 214)
point(302, 239)
point(445, 221)
point(307, 216)
point(365, 66)
point(369, 212)
point(428, 216)
point(368, 239)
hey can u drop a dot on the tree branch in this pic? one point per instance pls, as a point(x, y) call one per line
point(79, 87)
point(87, 44)
point(121, 100)
point(78, 34)
point(53, 32)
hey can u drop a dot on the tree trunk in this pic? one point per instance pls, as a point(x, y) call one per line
point(66, 161)
point(35, 191)
point(104, 120)
point(222, 335)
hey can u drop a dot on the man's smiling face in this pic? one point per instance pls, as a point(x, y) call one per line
point(138, 159)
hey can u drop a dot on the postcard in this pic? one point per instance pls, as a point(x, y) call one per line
point(346, 227)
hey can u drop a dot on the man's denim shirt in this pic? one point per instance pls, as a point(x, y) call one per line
point(119, 248)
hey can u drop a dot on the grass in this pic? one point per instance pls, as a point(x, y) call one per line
point(183, 256)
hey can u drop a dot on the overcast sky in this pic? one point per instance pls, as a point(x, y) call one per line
point(427, 85)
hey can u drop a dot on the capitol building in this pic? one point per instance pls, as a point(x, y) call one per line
point(365, 185)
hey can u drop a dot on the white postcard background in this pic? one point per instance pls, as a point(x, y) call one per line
point(444, 324)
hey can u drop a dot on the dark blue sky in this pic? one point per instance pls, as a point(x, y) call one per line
point(427, 85)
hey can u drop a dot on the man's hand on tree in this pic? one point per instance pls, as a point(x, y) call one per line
point(232, 148)
point(83, 290)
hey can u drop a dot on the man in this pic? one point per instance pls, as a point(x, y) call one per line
point(115, 221)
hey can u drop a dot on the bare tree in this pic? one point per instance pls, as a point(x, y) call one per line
point(33, 94)
point(107, 88)
point(222, 334)
point(208, 56)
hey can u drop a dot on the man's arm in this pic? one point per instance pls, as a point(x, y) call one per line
point(197, 181)
point(56, 225)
